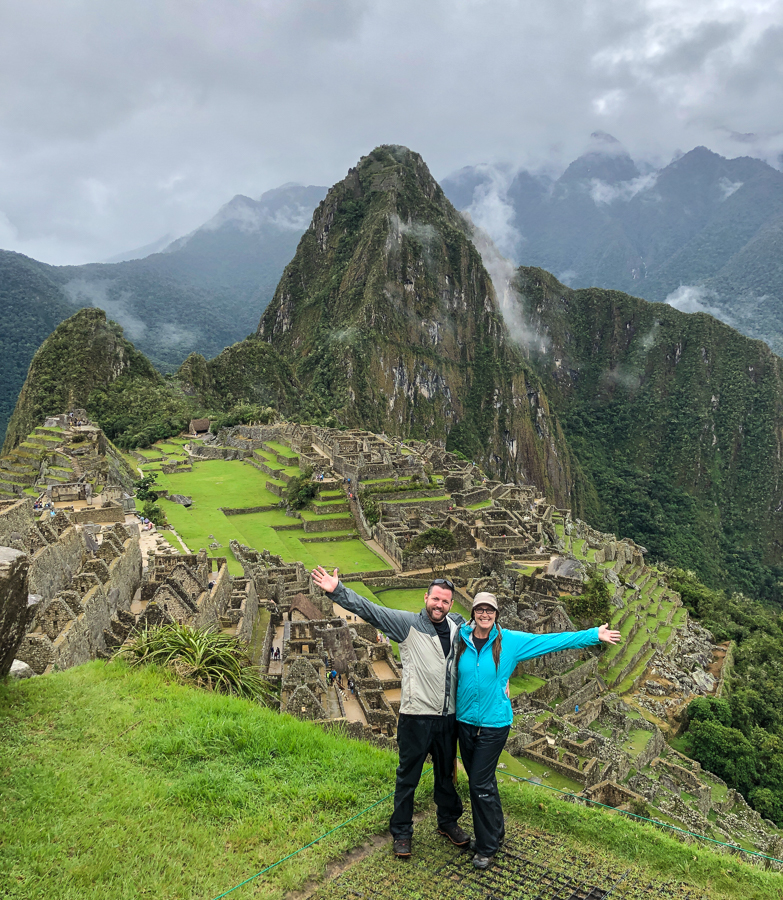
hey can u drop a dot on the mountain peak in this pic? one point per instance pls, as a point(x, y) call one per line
point(389, 317)
point(605, 159)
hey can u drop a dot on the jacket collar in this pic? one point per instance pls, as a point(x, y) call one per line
point(467, 633)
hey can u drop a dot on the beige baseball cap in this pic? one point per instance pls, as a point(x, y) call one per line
point(484, 598)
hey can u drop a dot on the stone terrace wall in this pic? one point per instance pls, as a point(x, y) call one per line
point(211, 604)
point(15, 614)
point(16, 517)
point(84, 621)
point(104, 515)
point(207, 451)
point(53, 567)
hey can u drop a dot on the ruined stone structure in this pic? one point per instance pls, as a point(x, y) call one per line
point(84, 582)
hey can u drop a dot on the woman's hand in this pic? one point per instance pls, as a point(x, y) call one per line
point(607, 636)
point(324, 580)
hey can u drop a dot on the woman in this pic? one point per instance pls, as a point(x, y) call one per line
point(486, 657)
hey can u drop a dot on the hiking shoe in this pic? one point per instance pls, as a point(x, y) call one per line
point(402, 847)
point(481, 862)
point(455, 834)
point(472, 847)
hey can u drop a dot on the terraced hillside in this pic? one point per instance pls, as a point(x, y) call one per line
point(647, 613)
point(52, 455)
point(238, 500)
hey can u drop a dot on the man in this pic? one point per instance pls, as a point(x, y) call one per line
point(427, 723)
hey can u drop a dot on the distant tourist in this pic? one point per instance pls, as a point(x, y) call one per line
point(426, 723)
point(350, 684)
point(486, 658)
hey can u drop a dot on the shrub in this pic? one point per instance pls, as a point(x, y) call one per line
point(434, 544)
point(144, 487)
point(592, 604)
point(208, 659)
point(370, 508)
point(300, 490)
point(154, 513)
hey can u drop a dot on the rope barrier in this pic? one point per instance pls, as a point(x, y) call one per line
point(695, 834)
point(549, 787)
point(326, 834)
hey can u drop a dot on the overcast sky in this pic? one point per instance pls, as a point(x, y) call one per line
point(124, 121)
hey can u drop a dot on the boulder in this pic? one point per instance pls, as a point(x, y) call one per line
point(16, 605)
point(181, 499)
point(20, 670)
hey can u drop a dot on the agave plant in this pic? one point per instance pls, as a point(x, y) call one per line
point(205, 657)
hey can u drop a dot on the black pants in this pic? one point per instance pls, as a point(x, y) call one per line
point(480, 749)
point(417, 736)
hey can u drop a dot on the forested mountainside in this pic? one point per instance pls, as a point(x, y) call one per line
point(389, 319)
point(676, 421)
point(704, 231)
point(204, 292)
point(31, 306)
point(86, 363)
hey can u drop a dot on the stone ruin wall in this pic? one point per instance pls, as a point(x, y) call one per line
point(69, 626)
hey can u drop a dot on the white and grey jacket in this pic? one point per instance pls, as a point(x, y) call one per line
point(429, 687)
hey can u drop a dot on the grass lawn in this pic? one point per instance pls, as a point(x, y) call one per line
point(482, 505)
point(308, 515)
point(524, 684)
point(231, 483)
point(638, 739)
point(128, 785)
point(220, 482)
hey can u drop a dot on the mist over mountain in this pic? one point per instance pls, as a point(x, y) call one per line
point(202, 293)
point(389, 319)
point(702, 233)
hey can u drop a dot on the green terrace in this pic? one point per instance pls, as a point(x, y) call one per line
point(643, 618)
point(218, 484)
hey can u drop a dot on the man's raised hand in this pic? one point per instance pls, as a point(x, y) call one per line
point(607, 636)
point(324, 580)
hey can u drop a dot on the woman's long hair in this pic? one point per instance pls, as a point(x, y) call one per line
point(496, 646)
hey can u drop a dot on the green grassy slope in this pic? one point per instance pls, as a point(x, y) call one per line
point(128, 785)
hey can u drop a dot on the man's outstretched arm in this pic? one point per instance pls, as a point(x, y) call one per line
point(393, 622)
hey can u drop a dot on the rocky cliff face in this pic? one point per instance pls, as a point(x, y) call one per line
point(677, 422)
point(389, 319)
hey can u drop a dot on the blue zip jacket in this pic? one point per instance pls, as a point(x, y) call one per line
point(481, 690)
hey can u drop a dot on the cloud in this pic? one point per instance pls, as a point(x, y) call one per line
point(690, 299)
point(96, 293)
point(251, 215)
point(622, 376)
point(122, 122)
point(492, 212)
point(728, 187)
point(512, 304)
point(601, 192)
